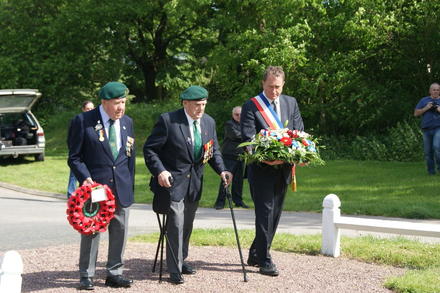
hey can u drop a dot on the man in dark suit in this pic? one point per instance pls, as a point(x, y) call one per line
point(268, 180)
point(180, 144)
point(230, 154)
point(101, 149)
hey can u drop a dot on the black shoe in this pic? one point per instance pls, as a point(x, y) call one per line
point(118, 282)
point(187, 269)
point(86, 283)
point(270, 270)
point(176, 278)
point(219, 205)
point(242, 205)
point(252, 261)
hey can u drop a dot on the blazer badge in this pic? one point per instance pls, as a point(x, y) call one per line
point(129, 145)
point(208, 149)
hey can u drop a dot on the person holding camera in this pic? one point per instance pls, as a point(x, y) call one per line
point(428, 108)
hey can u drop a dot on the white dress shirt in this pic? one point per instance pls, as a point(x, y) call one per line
point(191, 126)
point(106, 124)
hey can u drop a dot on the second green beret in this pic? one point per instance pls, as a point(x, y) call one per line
point(194, 92)
point(113, 90)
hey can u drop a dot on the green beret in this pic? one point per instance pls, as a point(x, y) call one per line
point(113, 90)
point(194, 92)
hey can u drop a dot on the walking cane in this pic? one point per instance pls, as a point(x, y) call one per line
point(229, 197)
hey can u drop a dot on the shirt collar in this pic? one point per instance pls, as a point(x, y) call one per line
point(190, 120)
point(269, 100)
point(105, 117)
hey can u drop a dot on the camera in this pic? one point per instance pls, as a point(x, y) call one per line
point(435, 105)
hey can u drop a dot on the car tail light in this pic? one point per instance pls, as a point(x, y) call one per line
point(41, 141)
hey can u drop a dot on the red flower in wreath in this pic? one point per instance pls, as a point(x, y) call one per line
point(287, 141)
point(89, 217)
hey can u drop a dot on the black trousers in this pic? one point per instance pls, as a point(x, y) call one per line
point(268, 197)
point(235, 166)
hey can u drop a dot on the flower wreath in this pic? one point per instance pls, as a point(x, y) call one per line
point(89, 217)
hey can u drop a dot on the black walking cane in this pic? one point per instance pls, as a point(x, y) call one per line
point(163, 237)
point(229, 197)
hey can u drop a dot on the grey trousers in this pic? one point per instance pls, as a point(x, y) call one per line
point(179, 228)
point(117, 230)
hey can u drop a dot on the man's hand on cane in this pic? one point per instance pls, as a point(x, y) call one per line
point(164, 179)
point(226, 177)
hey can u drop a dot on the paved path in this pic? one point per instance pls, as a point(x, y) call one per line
point(33, 219)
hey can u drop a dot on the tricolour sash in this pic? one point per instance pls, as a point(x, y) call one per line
point(269, 115)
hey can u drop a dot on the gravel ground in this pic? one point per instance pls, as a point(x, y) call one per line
point(54, 269)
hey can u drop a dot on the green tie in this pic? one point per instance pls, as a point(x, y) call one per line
point(197, 142)
point(112, 138)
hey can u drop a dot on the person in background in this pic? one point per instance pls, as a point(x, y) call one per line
point(429, 108)
point(101, 150)
point(179, 146)
point(268, 180)
point(230, 154)
point(72, 185)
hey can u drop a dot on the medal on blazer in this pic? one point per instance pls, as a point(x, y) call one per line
point(129, 145)
point(98, 126)
point(101, 135)
point(208, 149)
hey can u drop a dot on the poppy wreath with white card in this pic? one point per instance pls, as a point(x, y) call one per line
point(91, 208)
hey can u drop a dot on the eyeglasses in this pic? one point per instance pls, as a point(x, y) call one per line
point(236, 114)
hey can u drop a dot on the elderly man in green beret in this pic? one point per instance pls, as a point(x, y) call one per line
point(180, 145)
point(101, 150)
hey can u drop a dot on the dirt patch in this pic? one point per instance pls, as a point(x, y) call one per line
point(55, 269)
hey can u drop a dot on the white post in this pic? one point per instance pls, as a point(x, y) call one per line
point(11, 268)
point(330, 233)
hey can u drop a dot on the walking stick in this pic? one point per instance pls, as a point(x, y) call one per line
point(229, 197)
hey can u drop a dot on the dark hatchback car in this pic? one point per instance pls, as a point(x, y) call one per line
point(20, 132)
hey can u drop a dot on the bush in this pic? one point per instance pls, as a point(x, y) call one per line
point(402, 142)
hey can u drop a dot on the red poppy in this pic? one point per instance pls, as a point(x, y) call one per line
point(87, 217)
point(287, 141)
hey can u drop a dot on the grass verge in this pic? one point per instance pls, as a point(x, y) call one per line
point(421, 259)
point(391, 189)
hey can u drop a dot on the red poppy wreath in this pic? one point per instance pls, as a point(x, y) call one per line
point(89, 217)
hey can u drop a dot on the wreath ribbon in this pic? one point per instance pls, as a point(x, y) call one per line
point(89, 217)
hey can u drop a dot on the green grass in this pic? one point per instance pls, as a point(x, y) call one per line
point(365, 187)
point(421, 259)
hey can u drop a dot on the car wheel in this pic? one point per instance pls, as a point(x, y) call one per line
point(39, 157)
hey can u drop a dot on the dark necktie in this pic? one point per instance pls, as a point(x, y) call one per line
point(112, 138)
point(197, 142)
point(274, 107)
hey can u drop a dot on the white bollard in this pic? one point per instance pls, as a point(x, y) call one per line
point(11, 268)
point(330, 233)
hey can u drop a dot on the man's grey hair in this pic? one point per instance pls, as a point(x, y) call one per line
point(276, 71)
point(433, 84)
point(235, 108)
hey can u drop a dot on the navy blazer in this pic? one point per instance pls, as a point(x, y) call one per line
point(170, 148)
point(251, 122)
point(91, 157)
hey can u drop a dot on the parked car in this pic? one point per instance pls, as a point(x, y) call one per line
point(20, 132)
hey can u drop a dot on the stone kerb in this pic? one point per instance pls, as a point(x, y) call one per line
point(11, 268)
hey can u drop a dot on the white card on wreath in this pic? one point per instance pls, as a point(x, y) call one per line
point(98, 194)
